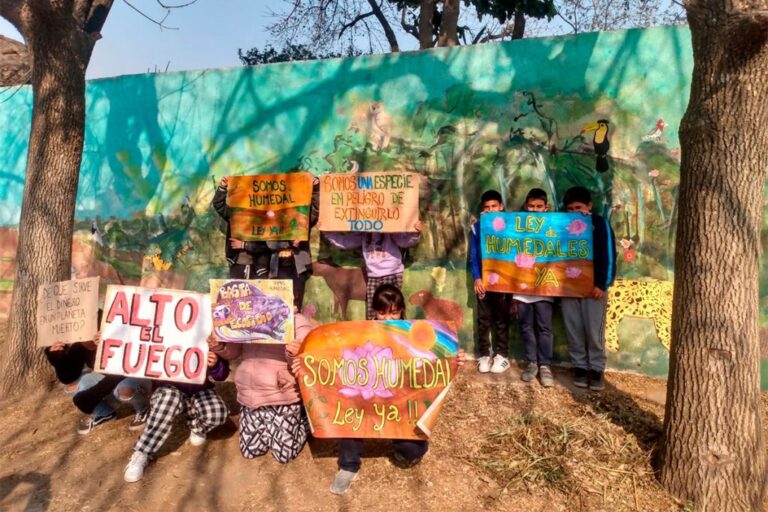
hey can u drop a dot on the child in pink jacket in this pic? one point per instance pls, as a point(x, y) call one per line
point(272, 416)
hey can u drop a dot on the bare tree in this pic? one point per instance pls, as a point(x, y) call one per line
point(713, 453)
point(579, 16)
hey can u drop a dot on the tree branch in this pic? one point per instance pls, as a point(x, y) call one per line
point(159, 23)
point(391, 38)
point(354, 22)
point(11, 11)
point(408, 27)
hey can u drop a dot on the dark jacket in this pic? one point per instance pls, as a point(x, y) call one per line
point(219, 372)
point(475, 255)
point(603, 252)
point(302, 258)
point(252, 253)
point(69, 364)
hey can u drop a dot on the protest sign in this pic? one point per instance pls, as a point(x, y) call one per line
point(376, 379)
point(385, 202)
point(537, 253)
point(259, 311)
point(66, 311)
point(270, 206)
point(154, 334)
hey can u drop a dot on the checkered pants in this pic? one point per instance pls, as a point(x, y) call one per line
point(371, 283)
point(205, 411)
point(283, 429)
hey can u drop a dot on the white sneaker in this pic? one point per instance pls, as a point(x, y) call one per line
point(484, 364)
point(196, 439)
point(135, 468)
point(500, 364)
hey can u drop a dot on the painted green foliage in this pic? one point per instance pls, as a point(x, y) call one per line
point(509, 116)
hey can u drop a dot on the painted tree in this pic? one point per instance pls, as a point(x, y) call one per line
point(713, 453)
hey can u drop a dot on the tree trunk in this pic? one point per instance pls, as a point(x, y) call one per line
point(449, 24)
point(61, 49)
point(426, 23)
point(518, 29)
point(713, 453)
point(388, 32)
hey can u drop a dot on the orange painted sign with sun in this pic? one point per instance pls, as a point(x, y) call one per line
point(377, 379)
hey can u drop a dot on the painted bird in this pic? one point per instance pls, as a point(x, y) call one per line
point(96, 234)
point(658, 132)
point(600, 142)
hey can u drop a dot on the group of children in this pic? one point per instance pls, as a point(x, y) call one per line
point(272, 417)
point(584, 318)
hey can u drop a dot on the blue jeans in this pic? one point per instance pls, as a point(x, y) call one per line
point(139, 391)
point(535, 320)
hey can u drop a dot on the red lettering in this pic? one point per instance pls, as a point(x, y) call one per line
point(107, 352)
point(129, 368)
point(119, 307)
point(153, 358)
point(135, 305)
point(172, 366)
point(200, 360)
point(181, 324)
point(156, 338)
point(160, 300)
point(145, 333)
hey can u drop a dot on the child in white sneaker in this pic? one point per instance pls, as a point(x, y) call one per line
point(492, 307)
point(204, 407)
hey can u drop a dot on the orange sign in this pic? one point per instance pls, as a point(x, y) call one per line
point(384, 202)
point(270, 206)
point(376, 379)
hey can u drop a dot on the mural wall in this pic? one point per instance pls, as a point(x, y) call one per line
point(600, 110)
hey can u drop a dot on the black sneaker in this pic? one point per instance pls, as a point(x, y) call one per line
point(596, 380)
point(400, 461)
point(139, 420)
point(91, 422)
point(580, 378)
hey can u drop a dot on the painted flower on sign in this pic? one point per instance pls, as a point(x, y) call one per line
point(493, 278)
point(626, 243)
point(654, 173)
point(378, 361)
point(499, 224)
point(576, 227)
point(525, 260)
point(630, 255)
point(573, 272)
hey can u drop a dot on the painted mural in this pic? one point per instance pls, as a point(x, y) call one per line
point(599, 110)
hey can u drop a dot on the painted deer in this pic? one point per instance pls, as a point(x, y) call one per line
point(345, 283)
point(435, 308)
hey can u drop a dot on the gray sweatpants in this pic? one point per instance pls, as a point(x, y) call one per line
point(585, 327)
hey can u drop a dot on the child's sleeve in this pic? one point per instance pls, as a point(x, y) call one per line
point(603, 253)
point(220, 370)
point(345, 240)
point(405, 240)
point(475, 257)
point(314, 207)
point(219, 203)
point(68, 363)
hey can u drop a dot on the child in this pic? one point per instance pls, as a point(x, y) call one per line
point(93, 393)
point(383, 258)
point(271, 413)
point(247, 260)
point(388, 303)
point(534, 315)
point(585, 317)
point(204, 408)
point(492, 307)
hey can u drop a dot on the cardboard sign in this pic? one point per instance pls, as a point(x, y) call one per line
point(537, 253)
point(270, 206)
point(376, 379)
point(154, 334)
point(384, 202)
point(66, 311)
point(258, 311)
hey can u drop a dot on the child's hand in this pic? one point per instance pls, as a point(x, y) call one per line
point(214, 344)
point(236, 244)
point(296, 243)
point(461, 357)
point(57, 347)
point(597, 293)
point(212, 359)
point(418, 226)
point(295, 367)
point(315, 181)
point(93, 345)
point(480, 288)
point(224, 182)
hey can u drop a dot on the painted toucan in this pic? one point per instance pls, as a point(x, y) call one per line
point(600, 142)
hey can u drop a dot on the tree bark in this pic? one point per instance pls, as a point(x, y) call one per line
point(60, 36)
point(713, 453)
point(518, 28)
point(426, 27)
point(449, 24)
point(388, 32)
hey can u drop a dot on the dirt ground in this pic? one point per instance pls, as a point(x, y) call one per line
point(500, 444)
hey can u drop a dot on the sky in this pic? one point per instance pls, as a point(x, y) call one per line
point(208, 36)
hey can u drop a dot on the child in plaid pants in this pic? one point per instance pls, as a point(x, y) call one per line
point(204, 408)
point(383, 257)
